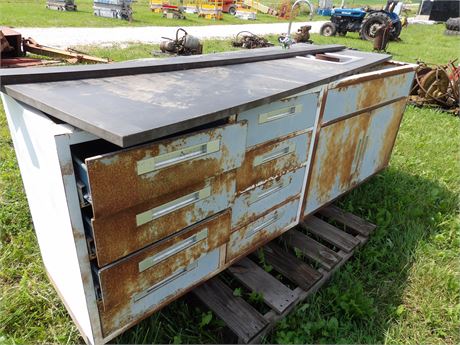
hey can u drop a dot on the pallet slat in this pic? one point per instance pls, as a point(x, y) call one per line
point(275, 294)
point(246, 322)
point(356, 223)
point(330, 233)
point(289, 266)
point(240, 317)
point(311, 249)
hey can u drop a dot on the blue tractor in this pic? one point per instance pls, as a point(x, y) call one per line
point(363, 20)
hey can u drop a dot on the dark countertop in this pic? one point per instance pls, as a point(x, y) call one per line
point(134, 108)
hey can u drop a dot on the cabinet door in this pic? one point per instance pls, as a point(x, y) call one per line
point(358, 122)
point(337, 160)
point(380, 138)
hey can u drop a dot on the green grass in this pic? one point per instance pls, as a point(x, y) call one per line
point(30, 13)
point(401, 287)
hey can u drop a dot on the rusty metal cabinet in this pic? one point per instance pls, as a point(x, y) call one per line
point(355, 141)
point(140, 226)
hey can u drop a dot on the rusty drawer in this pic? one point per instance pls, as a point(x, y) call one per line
point(272, 159)
point(120, 234)
point(123, 179)
point(251, 236)
point(277, 119)
point(154, 275)
point(254, 202)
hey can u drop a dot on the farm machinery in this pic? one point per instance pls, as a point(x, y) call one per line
point(366, 21)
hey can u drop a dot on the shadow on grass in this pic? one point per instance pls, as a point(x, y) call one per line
point(363, 297)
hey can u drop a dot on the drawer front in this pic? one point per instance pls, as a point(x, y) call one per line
point(250, 237)
point(131, 177)
point(157, 296)
point(272, 159)
point(277, 119)
point(366, 90)
point(125, 232)
point(138, 279)
point(249, 205)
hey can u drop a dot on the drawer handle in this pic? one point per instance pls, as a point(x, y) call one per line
point(165, 160)
point(172, 206)
point(275, 188)
point(166, 281)
point(280, 113)
point(264, 224)
point(274, 155)
point(163, 255)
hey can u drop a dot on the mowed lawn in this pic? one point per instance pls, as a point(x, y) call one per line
point(401, 287)
point(33, 13)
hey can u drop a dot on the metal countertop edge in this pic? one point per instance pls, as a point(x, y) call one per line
point(55, 74)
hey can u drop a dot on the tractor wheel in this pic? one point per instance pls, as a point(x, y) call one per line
point(232, 10)
point(371, 23)
point(328, 29)
point(395, 31)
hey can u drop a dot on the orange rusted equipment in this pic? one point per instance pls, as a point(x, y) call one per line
point(437, 86)
point(382, 37)
point(71, 56)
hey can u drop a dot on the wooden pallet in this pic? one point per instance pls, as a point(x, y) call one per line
point(325, 247)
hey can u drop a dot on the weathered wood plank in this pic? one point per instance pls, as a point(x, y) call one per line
point(292, 268)
point(310, 248)
point(330, 233)
point(275, 294)
point(361, 226)
point(240, 317)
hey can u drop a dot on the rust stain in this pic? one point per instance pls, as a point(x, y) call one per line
point(119, 283)
point(115, 184)
point(372, 93)
point(130, 237)
point(67, 169)
point(238, 247)
point(249, 175)
point(249, 217)
point(335, 158)
point(390, 134)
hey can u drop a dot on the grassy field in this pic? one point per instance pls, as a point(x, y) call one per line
point(402, 287)
point(32, 13)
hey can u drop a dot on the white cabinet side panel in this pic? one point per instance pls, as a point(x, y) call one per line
point(33, 137)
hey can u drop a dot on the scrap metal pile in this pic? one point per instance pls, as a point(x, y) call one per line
point(184, 45)
point(248, 40)
point(14, 49)
point(437, 86)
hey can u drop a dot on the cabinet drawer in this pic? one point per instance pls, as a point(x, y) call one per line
point(149, 277)
point(120, 234)
point(272, 159)
point(250, 204)
point(120, 180)
point(250, 237)
point(277, 119)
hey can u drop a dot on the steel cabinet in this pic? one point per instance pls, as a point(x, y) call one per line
point(355, 141)
point(138, 227)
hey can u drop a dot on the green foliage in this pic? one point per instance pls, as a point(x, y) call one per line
point(238, 292)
